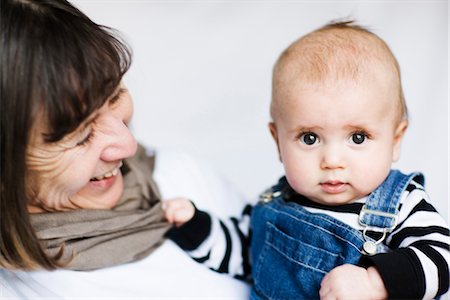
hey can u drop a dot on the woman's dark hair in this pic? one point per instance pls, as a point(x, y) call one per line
point(57, 64)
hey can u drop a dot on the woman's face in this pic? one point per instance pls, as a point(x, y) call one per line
point(82, 171)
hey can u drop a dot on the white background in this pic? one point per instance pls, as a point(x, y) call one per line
point(201, 77)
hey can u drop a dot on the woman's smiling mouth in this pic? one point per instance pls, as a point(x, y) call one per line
point(108, 174)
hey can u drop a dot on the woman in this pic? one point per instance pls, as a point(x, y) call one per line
point(77, 192)
point(68, 192)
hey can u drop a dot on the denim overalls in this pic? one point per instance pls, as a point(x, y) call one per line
point(292, 249)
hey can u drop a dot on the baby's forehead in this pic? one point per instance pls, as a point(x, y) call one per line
point(335, 53)
point(360, 96)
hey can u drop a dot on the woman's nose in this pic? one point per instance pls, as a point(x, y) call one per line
point(332, 158)
point(121, 143)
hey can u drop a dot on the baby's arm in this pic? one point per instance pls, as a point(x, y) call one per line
point(353, 282)
point(220, 244)
point(418, 264)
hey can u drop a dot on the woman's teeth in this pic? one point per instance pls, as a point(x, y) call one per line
point(111, 173)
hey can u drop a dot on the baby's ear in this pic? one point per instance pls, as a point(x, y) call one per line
point(398, 138)
point(274, 133)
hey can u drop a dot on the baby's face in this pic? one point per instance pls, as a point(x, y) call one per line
point(337, 144)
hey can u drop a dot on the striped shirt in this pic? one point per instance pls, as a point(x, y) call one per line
point(417, 265)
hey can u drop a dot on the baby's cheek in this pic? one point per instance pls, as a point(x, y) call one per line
point(296, 182)
point(298, 173)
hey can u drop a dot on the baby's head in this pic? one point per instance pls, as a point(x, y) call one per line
point(338, 113)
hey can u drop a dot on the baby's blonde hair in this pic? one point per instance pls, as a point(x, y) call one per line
point(338, 50)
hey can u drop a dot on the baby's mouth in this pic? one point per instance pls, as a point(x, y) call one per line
point(333, 186)
point(108, 174)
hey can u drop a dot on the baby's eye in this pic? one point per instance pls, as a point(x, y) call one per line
point(358, 138)
point(309, 138)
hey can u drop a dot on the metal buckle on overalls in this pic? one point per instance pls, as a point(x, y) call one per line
point(365, 211)
point(267, 196)
point(369, 246)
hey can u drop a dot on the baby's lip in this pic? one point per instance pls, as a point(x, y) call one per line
point(332, 182)
point(333, 186)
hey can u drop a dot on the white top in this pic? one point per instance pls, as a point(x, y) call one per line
point(167, 273)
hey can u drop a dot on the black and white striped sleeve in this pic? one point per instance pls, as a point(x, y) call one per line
point(222, 245)
point(418, 265)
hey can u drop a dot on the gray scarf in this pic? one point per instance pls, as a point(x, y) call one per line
point(94, 239)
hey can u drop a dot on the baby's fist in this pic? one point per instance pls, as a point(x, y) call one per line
point(178, 210)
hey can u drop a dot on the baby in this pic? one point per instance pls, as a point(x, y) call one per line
point(341, 224)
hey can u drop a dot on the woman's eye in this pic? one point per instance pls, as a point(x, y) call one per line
point(117, 96)
point(358, 138)
point(86, 140)
point(309, 138)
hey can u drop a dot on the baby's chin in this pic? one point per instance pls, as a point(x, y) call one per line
point(334, 199)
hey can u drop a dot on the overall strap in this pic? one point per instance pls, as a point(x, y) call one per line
point(380, 212)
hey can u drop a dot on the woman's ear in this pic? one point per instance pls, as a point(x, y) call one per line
point(274, 133)
point(398, 138)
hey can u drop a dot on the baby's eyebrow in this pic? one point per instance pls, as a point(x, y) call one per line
point(357, 127)
point(305, 128)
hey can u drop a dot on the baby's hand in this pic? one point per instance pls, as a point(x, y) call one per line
point(178, 210)
point(353, 282)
